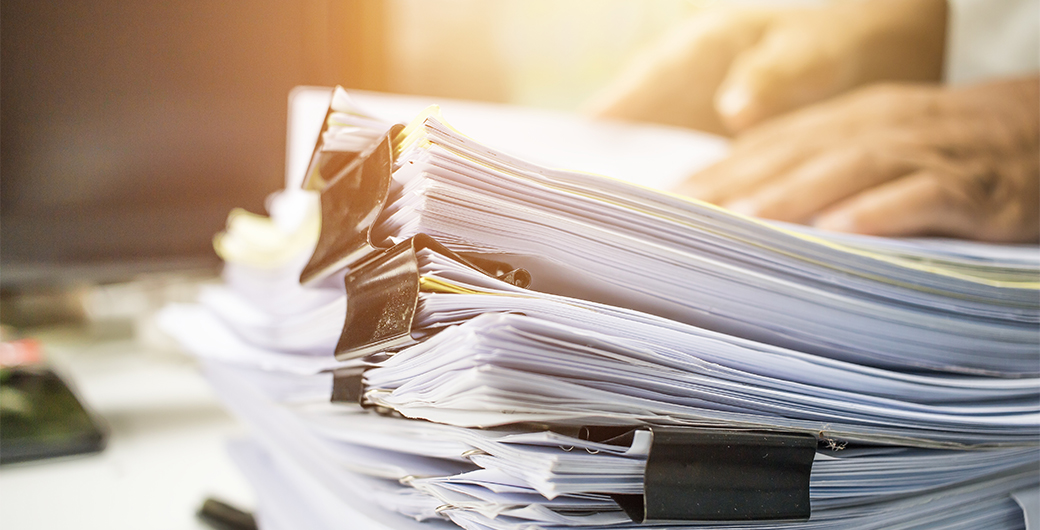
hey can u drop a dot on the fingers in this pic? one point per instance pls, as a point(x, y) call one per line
point(674, 81)
point(913, 205)
point(891, 160)
point(818, 53)
point(942, 202)
point(744, 171)
point(772, 150)
point(901, 109)
point(789, 68)
point(797, 164)
point(822, 181)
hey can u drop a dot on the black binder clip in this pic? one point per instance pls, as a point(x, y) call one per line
point(383, 295)
point(326, 164)
point(354, 189)
point(348, 384)
point(706, 474)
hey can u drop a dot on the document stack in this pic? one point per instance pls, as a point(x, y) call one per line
point(434, 333)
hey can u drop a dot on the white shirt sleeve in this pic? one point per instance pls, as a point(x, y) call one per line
point(987, 39)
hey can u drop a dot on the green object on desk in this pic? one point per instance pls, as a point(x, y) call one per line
point(41, 418)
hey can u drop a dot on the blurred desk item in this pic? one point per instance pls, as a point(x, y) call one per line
point(166, 449)
point(41, 418)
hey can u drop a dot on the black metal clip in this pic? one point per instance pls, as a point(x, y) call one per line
point(383, 295)
point(354, 194)
point(348, 384)
point(710, 474)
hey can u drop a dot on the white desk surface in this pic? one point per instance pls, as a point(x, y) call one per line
point(166, 449)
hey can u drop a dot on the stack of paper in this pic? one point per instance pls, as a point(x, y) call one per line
point(910, 368)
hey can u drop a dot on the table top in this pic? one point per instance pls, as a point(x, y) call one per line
point(166, 449)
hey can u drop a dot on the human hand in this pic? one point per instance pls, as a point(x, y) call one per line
point(894, 160)
point(726, 70)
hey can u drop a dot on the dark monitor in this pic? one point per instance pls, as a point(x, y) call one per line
point(130, 129)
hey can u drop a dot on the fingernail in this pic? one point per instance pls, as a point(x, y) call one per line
point(734, 100)
point(743, 207)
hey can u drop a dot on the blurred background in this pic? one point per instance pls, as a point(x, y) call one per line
point(130, 129)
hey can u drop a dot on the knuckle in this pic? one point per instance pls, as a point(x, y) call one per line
point(1004, 210)
point(985, 182)
point(871, 155)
